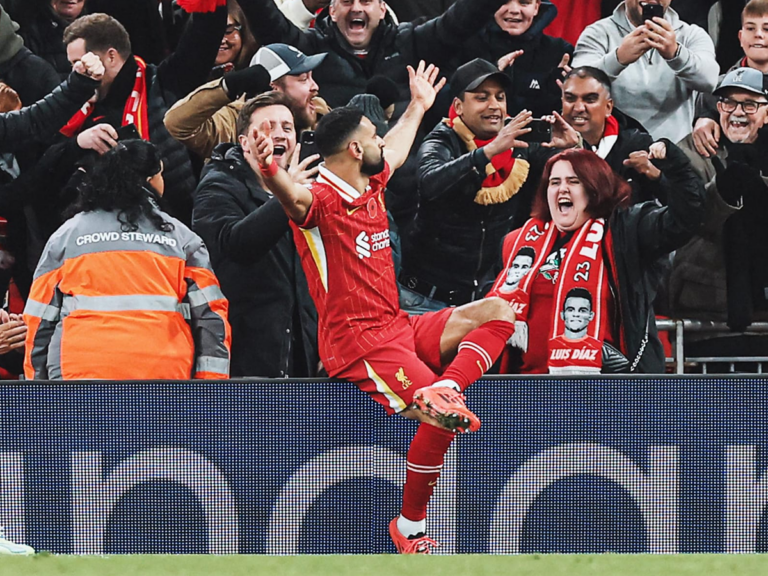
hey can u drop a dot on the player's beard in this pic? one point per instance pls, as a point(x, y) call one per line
point(373, 168)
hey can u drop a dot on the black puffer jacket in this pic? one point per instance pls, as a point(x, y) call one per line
point(344, 74)
point(274, 322)
point(44, 35)
point(180, 73)
point(454, 242)
point(643, 236)
point(534, 74)
point(41, 120)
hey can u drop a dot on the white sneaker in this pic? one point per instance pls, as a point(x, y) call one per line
point(8, 547)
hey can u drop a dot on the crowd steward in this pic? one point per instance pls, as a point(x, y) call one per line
point(522, 114)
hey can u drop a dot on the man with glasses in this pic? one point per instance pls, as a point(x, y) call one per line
point(722, 274)
point(753, 38)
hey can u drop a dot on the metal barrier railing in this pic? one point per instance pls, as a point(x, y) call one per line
point(680, 361)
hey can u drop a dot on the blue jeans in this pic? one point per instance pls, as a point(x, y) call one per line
point(416, 304)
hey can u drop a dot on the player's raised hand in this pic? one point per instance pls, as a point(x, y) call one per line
point(424, 84)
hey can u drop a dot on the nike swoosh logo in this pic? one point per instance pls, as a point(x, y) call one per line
point(433, 483)
point(350, 212)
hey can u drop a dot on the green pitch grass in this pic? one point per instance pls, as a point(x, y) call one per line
point(527, 565)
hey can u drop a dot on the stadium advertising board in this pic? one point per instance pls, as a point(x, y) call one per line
point(285, 467)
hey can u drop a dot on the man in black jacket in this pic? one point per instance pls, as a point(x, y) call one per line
point(274, 323)
point(127, 98)
point(517, 29)
point(363, 41)
point(472, 175)
point(588, 107)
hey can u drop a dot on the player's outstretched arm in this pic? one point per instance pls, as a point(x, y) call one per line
point(424, 89)
point(295, 199)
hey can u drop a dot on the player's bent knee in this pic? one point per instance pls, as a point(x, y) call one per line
point(490, 309)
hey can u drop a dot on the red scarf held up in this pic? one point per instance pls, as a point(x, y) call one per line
point(583, 268)
point(135, 111)
point(192, 6)
point(502, 163)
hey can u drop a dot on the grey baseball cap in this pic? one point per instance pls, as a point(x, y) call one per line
point(281, 60)
point(747, 79)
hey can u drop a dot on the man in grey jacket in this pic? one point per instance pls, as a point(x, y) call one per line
point(656, 66)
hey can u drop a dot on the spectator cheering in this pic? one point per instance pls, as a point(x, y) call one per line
point(274, 323)
point(471, 171)
point(362, 41)
point(588, 107)
point(721, 274)
point(237, 45)
point(133, 92)
point(586, 237)
point(753, 38)
point(515, 39)
point(208, 116)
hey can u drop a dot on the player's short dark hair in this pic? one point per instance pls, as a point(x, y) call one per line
point(579, 292)
point(526, 251)
point(272, 98)
point(335, 129)
point(100, 32)
point(591, 72)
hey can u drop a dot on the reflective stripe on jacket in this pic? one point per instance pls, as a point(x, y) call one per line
point(110, 304)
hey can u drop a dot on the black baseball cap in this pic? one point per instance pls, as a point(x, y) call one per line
point(281, 60)
point(470, 75)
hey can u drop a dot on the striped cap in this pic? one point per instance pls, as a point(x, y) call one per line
point(281, 59)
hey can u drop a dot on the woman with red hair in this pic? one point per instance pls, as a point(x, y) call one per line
point(585, 303)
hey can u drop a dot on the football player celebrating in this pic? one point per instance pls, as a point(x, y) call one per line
point(341, 231)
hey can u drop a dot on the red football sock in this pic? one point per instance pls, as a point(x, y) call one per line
point(425, 462)
point(478, 351)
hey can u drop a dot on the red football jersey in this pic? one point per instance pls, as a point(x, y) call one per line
point(345, 253)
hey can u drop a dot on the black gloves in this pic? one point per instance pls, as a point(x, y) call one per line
point(249, 81)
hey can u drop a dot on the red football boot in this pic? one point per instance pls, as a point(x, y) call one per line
point(447, 406)
point(417, 545)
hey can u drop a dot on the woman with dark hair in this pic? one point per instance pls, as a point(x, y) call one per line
point(122, 290)
point(585, 305)
point(238, 44)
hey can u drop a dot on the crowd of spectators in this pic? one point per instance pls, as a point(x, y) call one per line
point(668, 96)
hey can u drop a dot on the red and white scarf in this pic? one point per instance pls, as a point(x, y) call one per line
point(610, 135)
point(584, 269)
point(135, 111)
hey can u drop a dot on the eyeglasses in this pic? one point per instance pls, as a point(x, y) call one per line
point(231, 29)
point(749, 106)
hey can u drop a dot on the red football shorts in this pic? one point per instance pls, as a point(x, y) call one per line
point(392, 372)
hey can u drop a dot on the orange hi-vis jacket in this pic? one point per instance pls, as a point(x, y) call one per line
point(117, 305)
